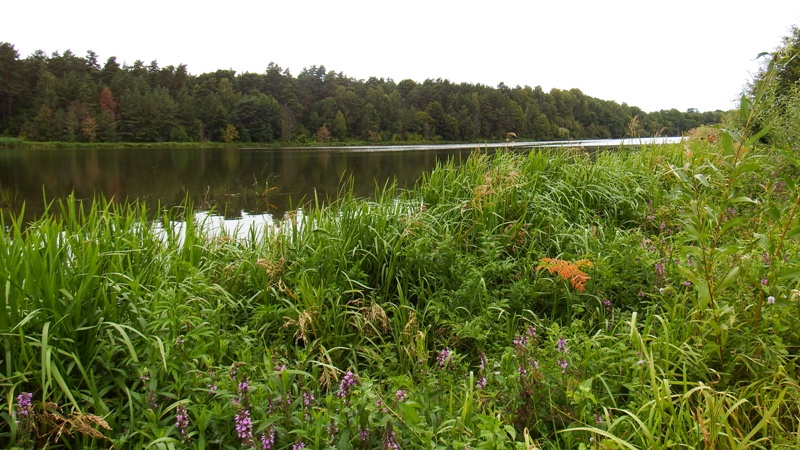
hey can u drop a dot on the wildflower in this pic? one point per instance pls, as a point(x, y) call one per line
point(179, 341)
point(660, 270)
point(388, 441)
point(212, 387)
point(299, 445)
point(483, 361)
point(561, 345)
point(444, 356)
point(244, 425)
point(598, 419)
point(563, 363)
point(687, 283)
point(24, 404)
point(346, 385)
point(243, 386)
point(770, 300)
point(151, 397)
point(607, 304)
point(481, 383)
point(308, 398)
point(268, 441)
point(333, 429)
point(401, 395)
point(363, 433)
point(181, 420)
point(766, 259)
point(764, 281)
point(280, 368)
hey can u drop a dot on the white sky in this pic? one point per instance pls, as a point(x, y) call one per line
point(651, 54)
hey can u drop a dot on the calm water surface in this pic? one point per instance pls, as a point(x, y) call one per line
point(232, 182)
point(242, 185)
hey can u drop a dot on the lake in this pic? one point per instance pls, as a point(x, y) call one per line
point(237, 183)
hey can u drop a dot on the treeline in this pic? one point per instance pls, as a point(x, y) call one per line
point(65, 97)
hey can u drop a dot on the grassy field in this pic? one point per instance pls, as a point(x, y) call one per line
point(638, 299)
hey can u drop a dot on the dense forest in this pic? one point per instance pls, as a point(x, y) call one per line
point(65, 97)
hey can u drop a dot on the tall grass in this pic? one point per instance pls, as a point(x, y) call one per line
point(424, 318)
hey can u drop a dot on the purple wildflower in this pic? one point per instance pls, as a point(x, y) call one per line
point(598, 419)
point(483, 361)
point(401, 395)
point(243, 386)
point(151, 397)
point(244, 425)
point(212, 387)
point(299, 445)
point(607, 304)
point(181, 420)
point(389, 442)
point(563, 363)
point(24, 404)
point(687, 283)
point(660, 270)
point(348, 382)
point(333, 429)
point(280, 368)
point(561, 345)
point(268, 441)
point(363, 433)
point(444, 357)
point(770, 300)
point(766, 259)
point(308, 398)
point(764, 281)
point(481, 383)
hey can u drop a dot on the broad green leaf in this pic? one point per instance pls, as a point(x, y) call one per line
point(745, 108)
point(793, 233)
point(761, 133)
point(741, 199)
point(727, 143)
point(702, 179)
point(789, 273)
point(729, 278)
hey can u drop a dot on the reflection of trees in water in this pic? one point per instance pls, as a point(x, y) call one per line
point(228, 180)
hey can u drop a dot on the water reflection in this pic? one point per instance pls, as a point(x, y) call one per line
point(236, 183)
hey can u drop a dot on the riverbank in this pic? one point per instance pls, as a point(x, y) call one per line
point(547, 299)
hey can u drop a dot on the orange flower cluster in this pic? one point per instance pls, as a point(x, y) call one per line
point(568, 271)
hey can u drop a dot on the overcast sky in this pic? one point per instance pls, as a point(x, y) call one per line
point(651, 54)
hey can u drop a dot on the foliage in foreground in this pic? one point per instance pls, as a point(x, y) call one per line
point(541, 300)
